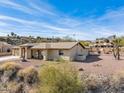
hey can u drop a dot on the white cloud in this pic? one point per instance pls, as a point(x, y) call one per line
point(41, 8)
point(10, 4)
point(89, 28)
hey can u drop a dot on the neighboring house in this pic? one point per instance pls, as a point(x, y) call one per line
point(122, 51)
point(5, 49)
point(52, 51)
point(102, 47)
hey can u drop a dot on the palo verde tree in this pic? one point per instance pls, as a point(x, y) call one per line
point(117, 43)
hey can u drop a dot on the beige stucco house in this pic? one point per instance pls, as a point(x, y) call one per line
point(5, 49)
point(102, 47)
point(52, 51)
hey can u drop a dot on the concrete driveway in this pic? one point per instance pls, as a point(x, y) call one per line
point(7, 58)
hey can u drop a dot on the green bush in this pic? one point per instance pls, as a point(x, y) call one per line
point(62, 79)
point(60, 59)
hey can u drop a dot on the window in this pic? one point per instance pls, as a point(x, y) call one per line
point(61, 52)
point(8, 50)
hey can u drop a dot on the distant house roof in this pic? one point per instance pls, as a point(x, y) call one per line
point(4, 44)
point(58, 45)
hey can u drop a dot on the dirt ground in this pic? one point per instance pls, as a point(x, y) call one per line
point(104, 64)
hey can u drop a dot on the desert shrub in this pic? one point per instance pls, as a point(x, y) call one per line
point(15, 87)
point(28, 75)
point(99, 83)
point(118, 84)
point(10, 66)
point(17, 80)
point(62, 79)
point(21, 75)
point(9, 70)
point(104, 84)
point(93, 83)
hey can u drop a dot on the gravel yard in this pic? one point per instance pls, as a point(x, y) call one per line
point(104, 64)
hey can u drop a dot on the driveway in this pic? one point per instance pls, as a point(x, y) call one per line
point(7, 58)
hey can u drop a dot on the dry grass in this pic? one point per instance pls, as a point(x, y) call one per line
point(10, 66)
point(28, 75)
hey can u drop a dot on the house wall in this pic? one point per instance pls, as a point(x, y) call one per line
point(5, 48)
point(28, 53)
point(66, 55)
point(54, 54)
point(76, 51)
point(20, 52)
point(15, 52)
point(45, 54)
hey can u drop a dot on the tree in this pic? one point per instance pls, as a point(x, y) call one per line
point(117, 43)
point(68, 38)
point(85, 43)
point(12, 33)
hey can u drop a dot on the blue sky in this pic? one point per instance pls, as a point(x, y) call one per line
point(80, 19)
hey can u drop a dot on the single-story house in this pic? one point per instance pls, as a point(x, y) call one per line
point(52, 51)
point(103, 47)
point(5, 49)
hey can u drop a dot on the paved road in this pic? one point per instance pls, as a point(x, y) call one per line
point(6, 58)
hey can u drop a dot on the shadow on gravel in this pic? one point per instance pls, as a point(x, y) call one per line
point(92, 58)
